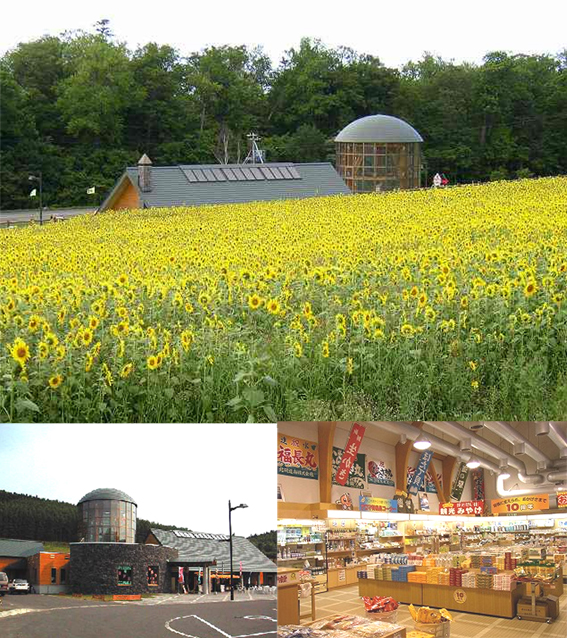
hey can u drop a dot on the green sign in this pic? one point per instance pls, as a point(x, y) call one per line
point(459, 482)
point(357, 476)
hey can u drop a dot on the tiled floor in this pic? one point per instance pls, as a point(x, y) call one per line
point(347, 600)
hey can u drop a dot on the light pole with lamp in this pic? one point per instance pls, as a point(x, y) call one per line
point(35, 178)
point(230, 510)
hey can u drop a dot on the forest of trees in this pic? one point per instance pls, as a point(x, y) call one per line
point(82, 106)
point(33, 518)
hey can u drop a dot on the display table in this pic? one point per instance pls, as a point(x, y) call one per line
point(489, 602)
point(341, 576)
point(288, 596)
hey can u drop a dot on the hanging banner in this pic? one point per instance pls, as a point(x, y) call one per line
point(379, 474)
point(181, 578)
point(526, 503)
point(459, 482)
point(420, 472)
point(430, 484)
point(477, 476)
point(462, 508)
point(374, 504)
point(297, 457)
point(561, 499)
point(356, 477)
point(350, 454)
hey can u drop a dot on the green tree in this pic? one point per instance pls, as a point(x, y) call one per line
point(95, 97)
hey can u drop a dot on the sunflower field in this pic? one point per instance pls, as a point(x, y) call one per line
point(436, 304)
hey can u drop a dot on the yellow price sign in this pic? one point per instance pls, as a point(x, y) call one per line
point(460, 596)
point(520, 504)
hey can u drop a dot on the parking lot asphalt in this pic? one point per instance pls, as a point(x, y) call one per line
point(36, 616)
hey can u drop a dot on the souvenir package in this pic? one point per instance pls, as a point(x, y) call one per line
point(375, 629)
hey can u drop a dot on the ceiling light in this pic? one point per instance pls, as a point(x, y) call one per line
point(422, 443)
point(473, 463)
point(476, 426)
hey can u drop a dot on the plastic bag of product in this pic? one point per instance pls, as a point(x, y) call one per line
point(338, 622)
point(299, 631)
point(380, 604)
point(375, 629)
point(351, 623)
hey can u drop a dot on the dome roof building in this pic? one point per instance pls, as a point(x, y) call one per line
point(107, 515)
point(379, 153)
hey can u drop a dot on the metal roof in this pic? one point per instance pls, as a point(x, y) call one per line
point(379, 128)
point(206, 550)
point(12, 548)
point(171, 185)
point(107, 493)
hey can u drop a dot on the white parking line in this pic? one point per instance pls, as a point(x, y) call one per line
point(206, 622)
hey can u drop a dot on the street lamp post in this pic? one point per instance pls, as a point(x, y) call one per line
point(35, 178)
point(230, 510)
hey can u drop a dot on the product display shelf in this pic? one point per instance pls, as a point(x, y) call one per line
point(303, 547)
point(477, 601)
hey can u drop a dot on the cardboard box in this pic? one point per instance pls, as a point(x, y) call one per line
point(552, 606)
point(398, 633)
point(525, 609)
point(439, 630)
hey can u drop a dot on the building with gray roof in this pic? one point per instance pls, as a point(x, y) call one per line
point(148, 186)
point(379, 153)
point(208, 554)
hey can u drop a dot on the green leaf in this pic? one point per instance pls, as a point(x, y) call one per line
point(270, 380)
point(269, 412)
point(234, 401)
point(25, 404)
point(101, 406)
point(169, 392)
point(253, 396)
point(241, 375)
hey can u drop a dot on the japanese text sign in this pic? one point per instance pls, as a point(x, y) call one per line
point(459, 482)
point(379, 473)
point(374, 504)
point(350, 453)
point(297, 457)
point(420, 472)
point(477, 476)
point(524, 504)
point(462, 508)
point(356, 478)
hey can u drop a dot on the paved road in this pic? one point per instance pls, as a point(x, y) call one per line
point(174, 617)
point(20, 216)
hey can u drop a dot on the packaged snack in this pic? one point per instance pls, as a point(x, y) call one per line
point(375, 629)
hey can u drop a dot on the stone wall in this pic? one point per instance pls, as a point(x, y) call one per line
point(94, 567)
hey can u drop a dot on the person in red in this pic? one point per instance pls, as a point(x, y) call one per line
point(444, 180)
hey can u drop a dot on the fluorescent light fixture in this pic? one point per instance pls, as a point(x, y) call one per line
point(376, 516)
point(398, 516)
point(422, 443)
point(419, 517)
point(342, 514)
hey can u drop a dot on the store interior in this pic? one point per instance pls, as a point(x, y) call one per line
point(422, 529)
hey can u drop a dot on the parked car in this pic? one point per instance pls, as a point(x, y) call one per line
point(19, 586)
point(3, 584)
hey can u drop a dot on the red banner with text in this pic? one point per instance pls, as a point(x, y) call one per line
point(462, 508)
point(349, 455)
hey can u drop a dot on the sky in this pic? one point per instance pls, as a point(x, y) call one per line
point(178, 474)
point(396, 32)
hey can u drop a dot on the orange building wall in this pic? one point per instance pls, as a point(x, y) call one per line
point(44, 562)
point(128, 198)
point(7, 562)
